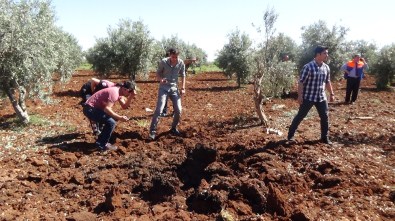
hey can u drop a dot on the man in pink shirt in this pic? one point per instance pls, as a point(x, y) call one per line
point(98, 108)
point(92, 86)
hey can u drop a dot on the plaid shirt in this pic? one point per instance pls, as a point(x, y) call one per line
point(314, 79)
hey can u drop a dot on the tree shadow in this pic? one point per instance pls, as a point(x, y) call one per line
point(77, 147)
point(146, 82)
point(387, 143)
point(8, 122)
point(237, 123)
point(59, 138)
point(65, 143)
point(216, 89)
point(136, 118)
point(68, 93)
point(213, 80)
point(293, 95)
point(129, 135)
point(371, 89)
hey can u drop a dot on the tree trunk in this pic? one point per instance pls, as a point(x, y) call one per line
point(258, 100)
point(19, 105)
point(258, 96)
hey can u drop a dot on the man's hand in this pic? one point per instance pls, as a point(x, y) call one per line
point(163, 81)
point(182, 91)
point(124, 118)
point(332, 98)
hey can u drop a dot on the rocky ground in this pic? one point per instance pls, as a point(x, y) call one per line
point(224, 167)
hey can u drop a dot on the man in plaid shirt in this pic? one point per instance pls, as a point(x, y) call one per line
point(314, 78)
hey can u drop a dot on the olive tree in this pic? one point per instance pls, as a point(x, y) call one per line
point(186, 50)
point(235, 57)
point(126, 51)
point(32, 49)
point(273, 75)
point(319, 34)
point(384, 68)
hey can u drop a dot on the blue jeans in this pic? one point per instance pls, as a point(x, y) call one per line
point(160, 104)
point(322, 109)
point(98, 115)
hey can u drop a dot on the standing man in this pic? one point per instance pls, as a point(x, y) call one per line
point(98, 108)
point(314, 78)
point(353, 72)
point(169, 69)
point(187, 63)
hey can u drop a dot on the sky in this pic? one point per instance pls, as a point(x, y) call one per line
point(207, 23)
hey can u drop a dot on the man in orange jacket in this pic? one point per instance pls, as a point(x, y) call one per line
point(353, 72)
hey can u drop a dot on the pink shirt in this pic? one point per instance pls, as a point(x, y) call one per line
point(100, 98)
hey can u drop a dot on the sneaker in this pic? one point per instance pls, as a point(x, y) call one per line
point(326, 141)
point(97, 133)
point(108, 146)
point(152, 135)
point(175, 132)
point(163, 114)
point(291, 140)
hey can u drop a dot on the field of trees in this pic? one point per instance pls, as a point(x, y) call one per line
point(225, 166)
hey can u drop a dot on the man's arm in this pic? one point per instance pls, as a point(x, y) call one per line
point(159, 71)
point(126, 101)
point(108, 110)
point(330, 89)
point(300, 92)
point(94, 83)
point(183, 78)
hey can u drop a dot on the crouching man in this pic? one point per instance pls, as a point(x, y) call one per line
point(98, 108)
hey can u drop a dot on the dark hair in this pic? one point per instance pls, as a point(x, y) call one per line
point(173, 51)
point(319, 49)
point(130, 85)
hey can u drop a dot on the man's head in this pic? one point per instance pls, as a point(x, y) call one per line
point(321, 53)
point(356, 57)
point(173, 53)
point(128, 87)
point(320, 49)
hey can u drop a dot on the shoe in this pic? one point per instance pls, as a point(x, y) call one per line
point(163, 114)
point(97, 133)
point(326, 141)
point(152, 135)
point(291, 140)
point(175, 132)
point(108, 146)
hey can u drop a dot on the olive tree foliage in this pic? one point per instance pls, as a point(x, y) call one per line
point(187, 51)
point(277, 55)
point(32, 50)
point(384, 67)
point(272, 74)
point(126, 51)
point(235, 57)
point(319, 34)
point(367, 50)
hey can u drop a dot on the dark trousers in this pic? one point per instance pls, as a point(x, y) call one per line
point(352, 89)
point(101, 117)
point(322, 109)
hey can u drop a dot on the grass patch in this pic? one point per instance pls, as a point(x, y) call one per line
point(38, 120)
point(206, 68)
point(142, 123)
point(84, 66)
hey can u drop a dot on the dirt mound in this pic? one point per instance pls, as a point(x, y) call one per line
point(224, 167)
